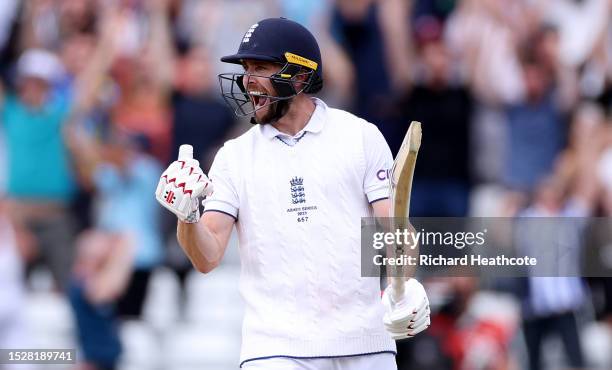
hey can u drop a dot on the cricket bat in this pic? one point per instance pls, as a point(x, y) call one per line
point(400, 187)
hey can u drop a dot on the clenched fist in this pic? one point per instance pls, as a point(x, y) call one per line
point(181, 186)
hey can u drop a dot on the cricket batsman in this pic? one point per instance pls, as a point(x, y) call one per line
point(295, 186)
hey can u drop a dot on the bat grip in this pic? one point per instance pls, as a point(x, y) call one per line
point(185, 152)
point(397, 291)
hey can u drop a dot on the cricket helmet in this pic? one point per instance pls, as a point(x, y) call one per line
point(276, 40)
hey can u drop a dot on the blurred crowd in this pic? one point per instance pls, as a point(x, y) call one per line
point(515, 98)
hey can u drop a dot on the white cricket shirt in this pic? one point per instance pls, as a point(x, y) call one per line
point(298, 202)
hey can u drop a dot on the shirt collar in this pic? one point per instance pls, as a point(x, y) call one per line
point(315, 123)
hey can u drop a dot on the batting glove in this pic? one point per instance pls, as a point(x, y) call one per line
point(181, 186)
point(409, 315)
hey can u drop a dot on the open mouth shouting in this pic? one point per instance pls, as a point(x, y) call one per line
point(260, 98)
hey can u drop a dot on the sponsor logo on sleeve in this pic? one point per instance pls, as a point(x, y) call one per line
point(383, 174)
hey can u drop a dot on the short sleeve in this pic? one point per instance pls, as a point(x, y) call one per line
point(225, 197)
point(378, 160)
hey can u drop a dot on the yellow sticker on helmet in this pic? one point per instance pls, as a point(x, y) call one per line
point(296, 59)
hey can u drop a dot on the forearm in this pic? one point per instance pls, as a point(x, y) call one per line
point(91, 78)
point(393, 19)
point(382, 210)
point(200, 245)
point(203, 242)
point(161, 46)
point(27, 37)
point(112, 281)
point(85, 152)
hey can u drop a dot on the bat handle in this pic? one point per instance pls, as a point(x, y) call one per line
point(185, 152)
point(397, 285)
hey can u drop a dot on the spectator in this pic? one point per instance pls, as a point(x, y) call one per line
point(123, 176)
point(32, 119)
point(580, 25)
point(143, 74)
point(76, 52)
point(442, 101)
point(552, 302)
point(536, 124)
point(100, 276)
point(373, 34)
point(114, 162)
point(46, 24)
point(198, 113)
point(214, 24)
point(483, 36)
point(554, 292)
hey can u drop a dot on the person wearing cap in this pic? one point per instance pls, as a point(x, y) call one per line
point(40, 180)
point(295, 186)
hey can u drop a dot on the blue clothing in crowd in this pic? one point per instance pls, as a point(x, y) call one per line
point(96, 328)
point(38, 160)
point(127, 204)
point(536, 136)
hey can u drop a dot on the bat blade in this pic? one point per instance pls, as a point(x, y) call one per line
point(400, 183)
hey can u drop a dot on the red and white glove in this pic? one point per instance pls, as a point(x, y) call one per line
point(409, 315)
point(181, 186)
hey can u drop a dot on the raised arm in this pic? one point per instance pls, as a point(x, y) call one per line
point(33, 12)
point(89, 81)
point(85, 150)
point(393, 20)
point(591, 143)
point(180, 189)
point(160, 43)
point(114, 275)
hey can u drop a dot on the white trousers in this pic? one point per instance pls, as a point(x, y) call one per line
point(381, 361)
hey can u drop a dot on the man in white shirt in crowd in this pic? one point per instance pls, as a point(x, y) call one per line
point(296, 186)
